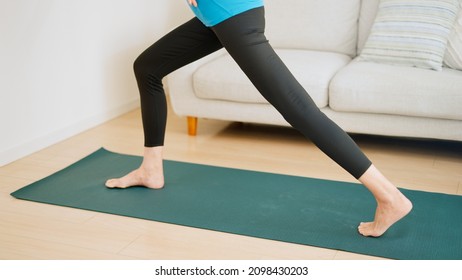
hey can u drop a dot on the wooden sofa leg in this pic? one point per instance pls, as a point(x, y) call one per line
point(192, 126)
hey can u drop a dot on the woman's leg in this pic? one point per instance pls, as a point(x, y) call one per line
point(243, 37)
point(187, 43)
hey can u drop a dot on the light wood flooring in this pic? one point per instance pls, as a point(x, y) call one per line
point(31, 230)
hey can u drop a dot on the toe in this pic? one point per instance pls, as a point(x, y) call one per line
point(111, 183)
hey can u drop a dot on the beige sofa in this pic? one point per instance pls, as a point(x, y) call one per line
point(320, 42)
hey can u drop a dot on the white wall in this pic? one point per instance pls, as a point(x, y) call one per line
point(66, 65)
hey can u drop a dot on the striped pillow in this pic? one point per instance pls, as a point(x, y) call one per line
point(411, 33)
point(453, 57)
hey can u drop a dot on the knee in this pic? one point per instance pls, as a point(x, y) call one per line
point(148, 75)
point(148, 63)
point(140, 65)
point(305, 118)
point(148, 69)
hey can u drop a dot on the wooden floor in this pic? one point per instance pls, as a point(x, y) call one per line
point(37, 231)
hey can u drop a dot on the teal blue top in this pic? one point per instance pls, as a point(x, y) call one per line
point(212, 12)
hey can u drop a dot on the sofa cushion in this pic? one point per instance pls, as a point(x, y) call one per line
point(365, 87)
point(324, 25)
point(221, 79)
point(411, 33)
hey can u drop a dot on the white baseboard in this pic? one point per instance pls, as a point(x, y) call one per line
point(44, 141)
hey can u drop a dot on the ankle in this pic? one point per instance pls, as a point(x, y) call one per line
point(153, 152)
point(152, 159)
point(385, 200)
point(390, 199)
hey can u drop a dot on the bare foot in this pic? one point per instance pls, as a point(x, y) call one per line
point(150, 174)
point(386, 215)
point(138, 177)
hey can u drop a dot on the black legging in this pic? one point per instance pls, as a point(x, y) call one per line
point(244, 39)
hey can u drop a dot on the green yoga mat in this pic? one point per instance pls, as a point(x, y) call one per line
point(278, 207)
